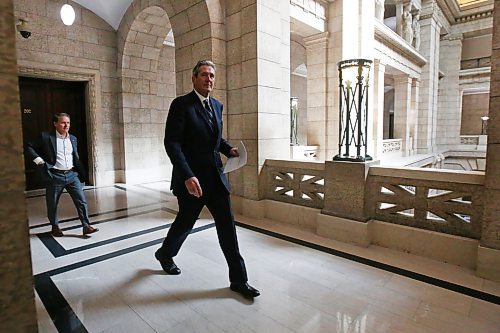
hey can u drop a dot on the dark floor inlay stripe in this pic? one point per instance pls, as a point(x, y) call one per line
point(60, 311)
point(396, 270)
point(58, 251)
point(95, 214)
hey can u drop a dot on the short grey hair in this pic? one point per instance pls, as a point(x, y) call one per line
point(196, 69)
point(56, 116)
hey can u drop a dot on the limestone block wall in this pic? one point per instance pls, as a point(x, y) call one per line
point(84, 51)
point(17, 299)
point(474, 106)
point(147, 74)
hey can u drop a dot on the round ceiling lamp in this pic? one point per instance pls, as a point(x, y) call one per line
point(67, 14)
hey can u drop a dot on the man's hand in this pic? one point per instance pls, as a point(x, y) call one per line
point(234, 152)
point(193, 187)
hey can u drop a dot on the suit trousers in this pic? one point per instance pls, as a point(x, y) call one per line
point(54, 189)
point(219, 206)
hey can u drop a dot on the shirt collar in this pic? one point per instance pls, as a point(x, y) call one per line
point(201, 97)
point(58, 135)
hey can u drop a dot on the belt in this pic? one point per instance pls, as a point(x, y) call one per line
point(61, 171)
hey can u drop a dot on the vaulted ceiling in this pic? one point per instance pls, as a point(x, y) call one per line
point(112, 10)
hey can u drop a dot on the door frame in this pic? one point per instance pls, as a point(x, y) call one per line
point(92, 102)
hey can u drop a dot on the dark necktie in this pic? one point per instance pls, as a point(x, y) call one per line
point(210, 113)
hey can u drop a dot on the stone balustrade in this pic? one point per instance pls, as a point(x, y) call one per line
point(392, 146)
point(445, 201)
point(439, 200)
point(300, 183)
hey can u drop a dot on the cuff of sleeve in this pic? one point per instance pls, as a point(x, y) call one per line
point(38, 161)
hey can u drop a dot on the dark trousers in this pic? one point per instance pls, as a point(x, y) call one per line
point(220, 207)
point(54, 189)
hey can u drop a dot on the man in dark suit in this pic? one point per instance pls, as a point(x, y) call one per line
point(193, 141)
point(56, 156)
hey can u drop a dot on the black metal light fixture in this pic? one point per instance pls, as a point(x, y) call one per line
point(294, 108)
point(354, 75)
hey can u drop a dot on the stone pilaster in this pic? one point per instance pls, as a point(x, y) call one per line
point(491, 213)
point(258, 62)
point(450, 101)
point(317, 91)
point(17, 299)
point(377, 117)
point(402, 111)
point(488, 261)
point(429, 79)
point(415, 94)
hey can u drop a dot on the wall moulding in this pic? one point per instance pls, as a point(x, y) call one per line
point(92, 97)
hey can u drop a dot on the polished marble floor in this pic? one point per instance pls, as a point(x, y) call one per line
point(110, 282)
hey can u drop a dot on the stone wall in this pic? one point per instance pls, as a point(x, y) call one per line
point(84, 51)
point(17, 300)
point(474, 106)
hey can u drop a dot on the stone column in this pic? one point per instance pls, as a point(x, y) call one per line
point(415, 93)
point(378, 109)
point(402, 111)
point(429, 48)
point(17, 299)
point(489, 252)
point(450, 101)
point(351, 36)
point(317, 91)
point(258, 85)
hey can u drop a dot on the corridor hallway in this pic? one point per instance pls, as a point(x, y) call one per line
point(111, 282)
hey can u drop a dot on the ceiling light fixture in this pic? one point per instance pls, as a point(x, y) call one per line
point(67, 14)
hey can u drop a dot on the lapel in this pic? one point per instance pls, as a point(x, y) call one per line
point(53, 143)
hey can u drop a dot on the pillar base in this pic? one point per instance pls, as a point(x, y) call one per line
point(345, 184)
point(488, 263)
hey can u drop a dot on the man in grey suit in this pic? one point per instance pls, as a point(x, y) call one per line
point(56, 156)
point(193, 141)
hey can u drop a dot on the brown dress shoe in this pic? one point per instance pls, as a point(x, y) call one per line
point(56, 231)
point(89, 230)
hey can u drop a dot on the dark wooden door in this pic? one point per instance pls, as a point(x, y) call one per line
point(40, 99)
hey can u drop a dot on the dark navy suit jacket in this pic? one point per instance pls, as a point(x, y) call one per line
point(193, 146)
point(45, 146)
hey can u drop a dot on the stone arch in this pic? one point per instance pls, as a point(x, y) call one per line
point(151, 74)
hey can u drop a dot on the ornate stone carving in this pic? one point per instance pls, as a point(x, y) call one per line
point(379, 9)
point(416, 30)
point(407, 29)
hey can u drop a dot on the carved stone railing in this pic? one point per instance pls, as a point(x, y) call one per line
point(469, 139)
point(438, 200)
point(392, 146)
point(301, 183)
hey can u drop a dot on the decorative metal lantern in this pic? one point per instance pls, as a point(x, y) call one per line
point(354, 75)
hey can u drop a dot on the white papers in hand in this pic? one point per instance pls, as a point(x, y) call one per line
point(234, 163)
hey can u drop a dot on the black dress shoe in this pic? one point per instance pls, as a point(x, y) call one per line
point(245, 289)
point(168, 265)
